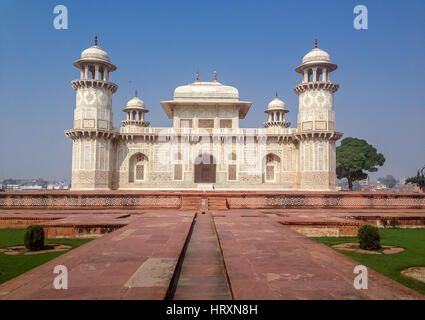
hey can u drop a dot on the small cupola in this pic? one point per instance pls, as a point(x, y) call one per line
point(276, 114)
point(135, 111)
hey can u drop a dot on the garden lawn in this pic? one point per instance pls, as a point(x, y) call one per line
point(412, 240)
point(12, 266)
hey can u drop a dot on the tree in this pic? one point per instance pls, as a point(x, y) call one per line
point(355, 155)
point(419, 180)
point(389, 181)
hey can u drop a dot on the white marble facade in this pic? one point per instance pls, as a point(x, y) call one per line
point(205, 148)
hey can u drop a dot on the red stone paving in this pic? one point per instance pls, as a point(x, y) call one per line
point(266, 260)
point(102, 268)
point(203, 276)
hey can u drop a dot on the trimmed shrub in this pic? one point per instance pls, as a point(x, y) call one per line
point(34, 238)
point(369, 238)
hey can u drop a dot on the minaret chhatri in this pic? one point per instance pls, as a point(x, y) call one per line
point(316, 121)
point(276, 114)
point(92, 147)
point(135, 114)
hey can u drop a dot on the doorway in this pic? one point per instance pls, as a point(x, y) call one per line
point(205, 169)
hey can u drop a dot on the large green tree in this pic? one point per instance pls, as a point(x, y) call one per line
point(355, 155)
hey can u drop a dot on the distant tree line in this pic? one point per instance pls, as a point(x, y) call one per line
point(418, 180)
point(389, 181)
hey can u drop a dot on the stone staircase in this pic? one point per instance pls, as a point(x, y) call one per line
point(217, 203)
point(191, 203)
point(204, 203)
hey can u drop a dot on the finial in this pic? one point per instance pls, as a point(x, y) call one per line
point(197, 75)
point(215, 75)
point(95, 40)
point(315, 43)
point(135, 94)
point(276, 94)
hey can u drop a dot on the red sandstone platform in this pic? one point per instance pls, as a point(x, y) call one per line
point(214, 200)
point(134, 262)
point(266, 260)
point(263, 259)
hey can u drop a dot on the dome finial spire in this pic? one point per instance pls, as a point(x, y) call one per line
point(215, 76)
point(315, 42)
point(95, 40)
point(276, 94)
point(135, 94)
point(197, 75)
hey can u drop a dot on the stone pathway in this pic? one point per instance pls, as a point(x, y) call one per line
point(266, 260)
point(203, 275)
point(134, 262)
point(263, 258)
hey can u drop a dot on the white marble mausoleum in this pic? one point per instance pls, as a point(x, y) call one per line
point(205, 148)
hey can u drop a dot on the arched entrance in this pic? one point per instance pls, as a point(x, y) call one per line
point(205, 169)
point(271, 168)
point(137, 168)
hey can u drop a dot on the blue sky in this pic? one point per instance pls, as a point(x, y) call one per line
point(254, 46)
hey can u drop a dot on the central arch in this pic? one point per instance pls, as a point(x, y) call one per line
point(205, 169)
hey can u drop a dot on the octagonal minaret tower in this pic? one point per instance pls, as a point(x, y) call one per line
point(316, 121)
point(276, 114)
point(92, 150)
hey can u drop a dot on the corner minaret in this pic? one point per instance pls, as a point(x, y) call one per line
point(93, 131)
point(316, 121)
point(316, 91)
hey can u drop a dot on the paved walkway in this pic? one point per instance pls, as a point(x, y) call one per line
point(263, 258)
point(203, 275)
point(134, 262)
point(266, 260)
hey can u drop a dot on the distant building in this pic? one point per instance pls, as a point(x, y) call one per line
point(365, 182)
point(11, 187)
point(381, 186)
point(31, 187)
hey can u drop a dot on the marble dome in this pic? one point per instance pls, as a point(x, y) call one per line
point(317, 55)
point(95, 53)
point(276, 103)
point(135, 103)
point(206, 90)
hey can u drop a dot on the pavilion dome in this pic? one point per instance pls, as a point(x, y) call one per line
point(317, 56)
point(276, 103)
point(135, 104)
point(95, 53)
point(206, 90)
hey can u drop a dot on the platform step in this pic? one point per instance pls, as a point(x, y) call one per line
point(217, 203)
point(191, 203)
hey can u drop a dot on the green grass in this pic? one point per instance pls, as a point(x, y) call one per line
point(12, 266)
point(412, 240)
